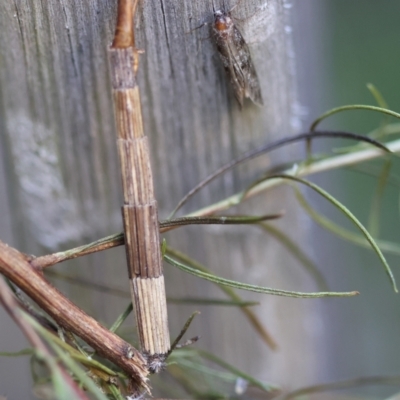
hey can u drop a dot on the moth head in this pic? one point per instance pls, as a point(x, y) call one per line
point(222, 21)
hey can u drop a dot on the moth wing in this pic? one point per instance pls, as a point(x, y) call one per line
point(238, 92)
point(253, 88)
point(237, 83)
point(245, 68)
point(228, 54)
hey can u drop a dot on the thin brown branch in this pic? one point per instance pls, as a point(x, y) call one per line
point(99, 245)
point(124, 34)
point(14, 266)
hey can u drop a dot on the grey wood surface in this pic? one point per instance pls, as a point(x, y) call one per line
point(57, 128)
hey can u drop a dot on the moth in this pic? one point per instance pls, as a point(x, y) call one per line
point(235, 56)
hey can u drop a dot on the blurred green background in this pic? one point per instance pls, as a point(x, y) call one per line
point(359, 44)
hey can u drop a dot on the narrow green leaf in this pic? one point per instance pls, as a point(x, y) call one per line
point(377, 134)
point(357, 382)
point(205, 369)
point(75, 252)
point(268, 387)
point(187, 380)
point(76, 355)
point(24, 352)
point(307, 136)
point(78, 372)
point(63, 388)
point(68, 361)
point(352, 107)
point(121, 318)
point(386, 130)
point(192, 359)
point(377, 96)
point(182, 332)
point(163, 247)
point(218, 220)
point(350, 215)
point(211, 302)
point(373, 171)
point(250, 315)
point(254, 288)
point(115, 392)
point(345, 234)
point(373, 220)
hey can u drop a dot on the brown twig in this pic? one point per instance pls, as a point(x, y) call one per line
point(139, 211)
point(99, 245)
point(124, 33)
point(15, 266)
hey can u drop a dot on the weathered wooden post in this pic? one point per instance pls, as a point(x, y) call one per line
point(57, 127)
